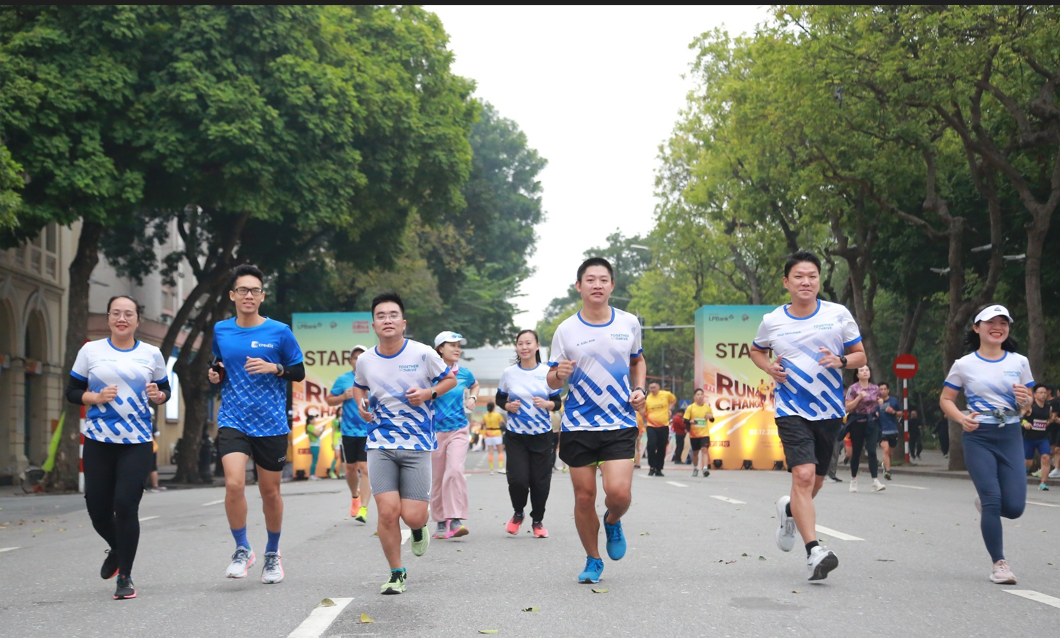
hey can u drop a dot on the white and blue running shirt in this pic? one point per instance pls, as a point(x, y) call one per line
point(987, 383)
point(599, 386)
point(396, 424)
point(255, 404)
point(522, 385)
point(128, 418)
point(812, 391)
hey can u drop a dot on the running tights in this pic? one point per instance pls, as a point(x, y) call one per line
point(114, 485)
point(864, 435)
point(529, 471)
point(995, 462)
point(657, 440)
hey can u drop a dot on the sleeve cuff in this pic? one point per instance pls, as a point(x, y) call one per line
point(363, 387)
point(294, 363)
point(553, 364)
point(553, 397)
point(442, 375)
point(77, 376)
point(762, 348)
point(634, 355)
point(850, 343)
point(1030, 384)
point(162, 380)
point(950, 385)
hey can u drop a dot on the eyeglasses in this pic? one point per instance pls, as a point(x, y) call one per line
point(242, 292)
point(393, 316)
point(119, 314)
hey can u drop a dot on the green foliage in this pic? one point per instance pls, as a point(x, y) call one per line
point(10, 184)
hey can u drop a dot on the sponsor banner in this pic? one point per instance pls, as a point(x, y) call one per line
point(740, 394)
point(326, 339)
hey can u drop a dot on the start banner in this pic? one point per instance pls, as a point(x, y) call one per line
point(740, 395)
point(326, 339)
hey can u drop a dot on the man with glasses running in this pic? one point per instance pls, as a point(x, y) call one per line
point(262, 356)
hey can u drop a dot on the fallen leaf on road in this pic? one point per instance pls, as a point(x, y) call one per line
point(365, 618)
point(884, 560)
point(730, 562)
point(795, 591)
point(487, 631)
point(645, 534)
point(744, 554)
point(601, 590)
point(534, 608)
point(327, 602)
point(761, 558)
point(37, 531)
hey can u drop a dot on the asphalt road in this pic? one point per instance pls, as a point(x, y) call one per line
point(702, 561)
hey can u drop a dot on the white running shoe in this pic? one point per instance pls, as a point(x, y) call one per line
point(242, 560)
point(877, 486)
point(853, 485)
point(272, 573)
point(821, 561)
point(1055, 473)
point(1002, 573)
point(786, 531)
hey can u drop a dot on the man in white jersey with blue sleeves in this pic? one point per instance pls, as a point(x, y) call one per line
point(395, 386)
point(598, 352)
point(813, 341)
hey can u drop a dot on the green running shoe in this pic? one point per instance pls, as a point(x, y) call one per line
point(396, 584)
point(419, 547)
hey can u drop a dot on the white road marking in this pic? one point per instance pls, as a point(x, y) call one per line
point(8, 549)
point(148, 518)
point(299, 439)
point(908, 487)
point(728, 500)
point(1043, 505)
point(676, 484)
point(1037, 597)
point(834, 534)
point(320, 619)
point(405, 535)
point(217, 502)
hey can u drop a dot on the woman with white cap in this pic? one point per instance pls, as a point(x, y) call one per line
point(448, 486)
point(996, 382)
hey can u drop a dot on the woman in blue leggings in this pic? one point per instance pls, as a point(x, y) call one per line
point(996, 382)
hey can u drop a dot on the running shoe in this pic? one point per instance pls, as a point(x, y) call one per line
point(1042, 487)
point(1002, 573)
point(396, 584)
point(242, 561)
point(651, 472)
point(502, 470)
point(110, 566)
point(419, 547)
point(272, 572)
point(695, 472)
point(332, 474)
point(706, 472)
point(616, 540)
point(821, 561)
point(853, 485)
point(362, 514)
point(565, 469)
point(355, 504)
point(887, 475)
point(126, 589)
point(539, 530)
point(1055, 473)
point(458, 531)
point(1036, 474)
point(786, 531)
point(835, 479)
point(659, 473)
point(314, 477)
point(594, 567)
point(158, 489)
point(877, 486)
point(443, 530)
point(513, 525)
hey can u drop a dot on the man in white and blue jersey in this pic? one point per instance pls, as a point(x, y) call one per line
point(813, 341)
point(598, 352)
point(255, 358)
point(354, 438)
point(395, 386)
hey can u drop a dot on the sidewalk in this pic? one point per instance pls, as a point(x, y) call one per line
point(932, 463)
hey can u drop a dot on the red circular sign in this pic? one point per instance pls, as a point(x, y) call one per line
point(905, 366)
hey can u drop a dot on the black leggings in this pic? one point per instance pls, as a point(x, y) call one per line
point(657, 440)
point(114, 485)
point(529, 471)
point(864, 435)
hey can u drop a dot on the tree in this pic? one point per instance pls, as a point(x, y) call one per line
point(10, 184)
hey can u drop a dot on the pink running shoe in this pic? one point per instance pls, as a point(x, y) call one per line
point(513, 525)
point(1002, 574)
point(458, 532)
point(540, 531)
point(443, 531)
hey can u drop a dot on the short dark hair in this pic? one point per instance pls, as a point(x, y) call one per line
point(117, 297)
point(882, 384)
point(490, 406)
point(595, 261)
point(800, 256)
point(388, 297)
point(656, 382)
point(243, 270)
point(698, 390)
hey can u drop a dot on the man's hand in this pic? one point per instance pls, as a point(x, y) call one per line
point(153, 393)
point(513, 406)
point(776, 370)
point(255, 365)
point(348, 394)
point(542, 403)
point(564, 369)
point(418, 396)
point(1023, 394)
point(968, 422)
point(212, 374)
point(829, 360)
point(107, 394)
point(637, 399)
point(362, 409)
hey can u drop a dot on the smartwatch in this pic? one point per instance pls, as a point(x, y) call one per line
point(434, 394)
point(843, 360)
point(279, 369)
point(641, 390)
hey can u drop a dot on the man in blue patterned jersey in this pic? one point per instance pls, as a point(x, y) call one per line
point(813, 341)
point(598, 353)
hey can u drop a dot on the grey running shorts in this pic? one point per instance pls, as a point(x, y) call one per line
point(407, 472)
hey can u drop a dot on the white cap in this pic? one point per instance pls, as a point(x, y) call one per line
point(990, 312)
point(448, 336)
point(358, 347)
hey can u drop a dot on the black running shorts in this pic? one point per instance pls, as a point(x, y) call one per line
point(584, 448)
point(353, 450)
point(701, 442)
point(1053, 431)
point(892, 440)
point(269, 452)
point(808, 442)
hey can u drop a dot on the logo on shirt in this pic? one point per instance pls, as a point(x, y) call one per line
point(1012, 373)
point(823, 326)
point(585, 342)
point(258, 344)
point(409, 367)
point(143, 361)
point(618, 336)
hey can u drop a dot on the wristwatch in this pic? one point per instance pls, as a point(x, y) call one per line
point(641, 390)
point(843, 360)
point(434, 394)
point(279, 369)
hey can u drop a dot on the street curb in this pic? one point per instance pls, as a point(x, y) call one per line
point(953, 474)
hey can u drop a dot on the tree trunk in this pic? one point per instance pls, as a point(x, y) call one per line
point(67, 461)
point(1036, 341)
point(911, 326)
point(194, 387)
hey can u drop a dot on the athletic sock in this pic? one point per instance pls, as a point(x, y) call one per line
point(787, 509)
point(399, 570)
point(455, 523)
point(274, 542)
point(241, 537)
point(417, 534)
point(810, 546)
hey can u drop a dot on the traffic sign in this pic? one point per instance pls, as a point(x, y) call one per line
point(905, 366)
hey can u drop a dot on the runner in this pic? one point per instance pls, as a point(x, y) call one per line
point(996, 382)
point(394, 380)
point(888, 426)
point(680, 429)
point(598, 351)
point(763, 392)
point(1054, 431)
point(863, 405)
point(448, 485)
point(698, 415)
point(641, 430)
point(354, 437)
point(118, 379)
point(523, 391)
point(262, 357)
point(1035, 434)
point(335, 469)
point(809, 395)
point(314, 432)
point(658, 405)
point(492, 436)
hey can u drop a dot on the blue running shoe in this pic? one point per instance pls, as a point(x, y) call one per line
point(593, 568)
point(616, 540)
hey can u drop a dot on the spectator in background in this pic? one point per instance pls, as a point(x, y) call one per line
point(942, 431)
point(658, 405)
point(680, 429)
point(1054, 430)
point(889, 414)
point(916, 440)
point(153, 476)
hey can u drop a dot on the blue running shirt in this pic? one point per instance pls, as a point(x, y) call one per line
point(522, 385)
point(255, 404)
point(449, 414)
point(987, 383)
point(599, 386)
point(812, 391)
point(128, 418)
point(396, 424)
point(352, 423)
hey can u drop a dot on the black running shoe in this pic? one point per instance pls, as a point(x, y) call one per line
point(125, 589)
point(110, 566)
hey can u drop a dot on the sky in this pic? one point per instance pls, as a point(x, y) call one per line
point(596, 90)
